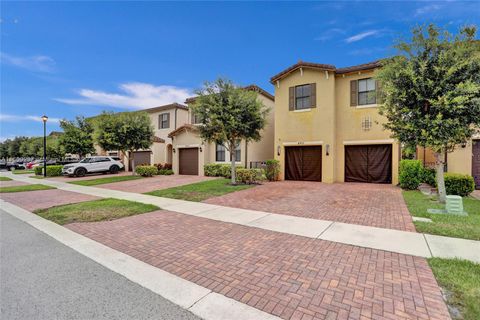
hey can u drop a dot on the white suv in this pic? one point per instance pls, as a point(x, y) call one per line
point(93, 165)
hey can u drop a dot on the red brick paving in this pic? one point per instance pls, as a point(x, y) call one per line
point(289, 276)
point(357, 203)
point(154, 183)
point(41, 199)
point(12, 183)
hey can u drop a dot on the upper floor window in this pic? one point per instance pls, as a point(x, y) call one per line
point(164, 121)
point(195, 119)
point(302, 97)
point(366, 92)
point(219, 153)
point(238, 152)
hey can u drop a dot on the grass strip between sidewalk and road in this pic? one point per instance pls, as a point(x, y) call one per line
point(105, 180)
point(466, 227)
point(460, 281)
point(5, 179)
point(28, 171)
point(201, 190)
point(28, 187)
point(95, 210)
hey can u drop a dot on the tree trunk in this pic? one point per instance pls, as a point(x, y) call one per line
point(232, 157)
point(439, 166)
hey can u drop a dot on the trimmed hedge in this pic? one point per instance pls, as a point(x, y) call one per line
point(146, 171)
point(249, 176)
point(410, 175)
point(52, 171)
point(165, 172)
point(161, 166)
point(272, 170)
point(429, 176)
point(219, 170)
point(459, 184)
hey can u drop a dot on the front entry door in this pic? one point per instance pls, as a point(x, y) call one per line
point(476, 163)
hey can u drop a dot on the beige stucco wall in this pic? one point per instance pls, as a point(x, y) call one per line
point(315, 126)
point(460, 160)
point(332, 124)
point(349, 125)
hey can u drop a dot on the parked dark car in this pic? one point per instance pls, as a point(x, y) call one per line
point(9, 165)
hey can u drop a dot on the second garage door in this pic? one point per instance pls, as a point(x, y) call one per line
point(141, 158)
point(371, 163)
point(188, 161)
point(303, 163)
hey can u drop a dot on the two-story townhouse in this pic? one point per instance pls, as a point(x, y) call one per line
point(327, 128)
point(191, 153)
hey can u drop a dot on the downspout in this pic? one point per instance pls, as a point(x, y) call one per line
point(175, 119)
point(246, 153)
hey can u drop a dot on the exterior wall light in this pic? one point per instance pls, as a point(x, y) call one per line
point(200, 149)
point(327, 149)
point(174, 150)
point(279, 149)
point(464, 145)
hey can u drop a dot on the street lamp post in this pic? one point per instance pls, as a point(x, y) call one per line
point(44, 119)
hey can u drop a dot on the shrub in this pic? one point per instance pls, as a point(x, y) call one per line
point(429, 176)
point(146, 171)
point(459, 184)
point(272, 170)
point(249, 176)
point(165, 172)
point(218, 170)
point(161, 166)
point(52, 171)
point(410, 175)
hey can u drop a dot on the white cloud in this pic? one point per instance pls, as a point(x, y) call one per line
point(329, 34)
point(34, 63)
point(427, 9)
point(18, 118)
point(134, 95)
point(362, 35)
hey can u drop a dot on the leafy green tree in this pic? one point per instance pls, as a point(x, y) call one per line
point(14, 146)
point(4, 154)
point(229, 114)
point(77, 137)
point(431, 91)
point(126, 132)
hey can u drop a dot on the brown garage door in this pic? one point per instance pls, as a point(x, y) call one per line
point(303, 163)
point(476, 163)
point(372, 163)
point(188, 161)
point(141, 158)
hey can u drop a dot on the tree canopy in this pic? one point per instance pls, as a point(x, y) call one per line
point(431, 91)
point(229, 114)
point(126, 132)
point(77, 137)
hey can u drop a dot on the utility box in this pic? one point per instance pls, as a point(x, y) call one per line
point(454, 205)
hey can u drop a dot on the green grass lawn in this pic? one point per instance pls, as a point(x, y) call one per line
point(28, 187)
point(201, 190)
point(96, 210)
point(461, 280)
point(467, 227)
point(5, 179)
point(22, 171)
point(98, 181)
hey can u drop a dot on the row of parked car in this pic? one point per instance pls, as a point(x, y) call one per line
point(30, 163)
point(71, 166)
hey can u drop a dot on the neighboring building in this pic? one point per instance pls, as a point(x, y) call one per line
point(190, 153)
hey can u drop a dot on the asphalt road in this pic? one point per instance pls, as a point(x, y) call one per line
point(41, 278)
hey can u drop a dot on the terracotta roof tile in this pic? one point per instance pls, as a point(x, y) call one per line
point(182, 128)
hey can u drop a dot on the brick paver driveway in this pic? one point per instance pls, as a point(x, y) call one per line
point(289, 276)
point(154, 183)
point(476, 194)
point(12, 183)
point(375, 205)
point(42, 199)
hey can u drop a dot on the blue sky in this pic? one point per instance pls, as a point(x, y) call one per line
point(65, 59)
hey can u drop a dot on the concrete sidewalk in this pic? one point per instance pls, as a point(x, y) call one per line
point(411, 243)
